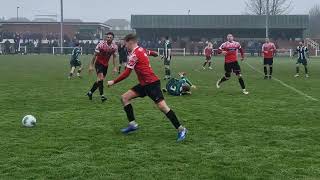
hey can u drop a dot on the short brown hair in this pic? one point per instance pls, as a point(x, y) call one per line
point(110, 33)
point(131, 37)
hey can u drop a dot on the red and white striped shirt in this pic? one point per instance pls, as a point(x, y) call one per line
point(104, 52)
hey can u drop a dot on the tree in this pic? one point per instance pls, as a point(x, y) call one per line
point(314, 14)
point(276, 7)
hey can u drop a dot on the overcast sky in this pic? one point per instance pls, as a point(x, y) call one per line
point(101, 10)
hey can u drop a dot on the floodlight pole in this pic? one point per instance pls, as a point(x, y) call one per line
point(267, 19)
point(18, 13)
point(61, 26)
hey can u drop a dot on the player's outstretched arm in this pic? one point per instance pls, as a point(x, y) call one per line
point(121, 77)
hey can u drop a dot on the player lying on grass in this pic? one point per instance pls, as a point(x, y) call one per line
point(149, 85)
point(268, 49)
point(303, 55)
point(179, 87)
point(103, 52)
point(230, 50)
point(208, 51)
point(75, 61)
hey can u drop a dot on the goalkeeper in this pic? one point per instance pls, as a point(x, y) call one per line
point(179, 87)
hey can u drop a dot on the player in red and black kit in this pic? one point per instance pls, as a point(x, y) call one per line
point(208, 51)
point(100, 61)
point(230, 50)
point(268, 49)
point(149, 85)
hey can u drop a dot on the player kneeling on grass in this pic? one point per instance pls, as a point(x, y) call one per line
point(208, 51)
point(75, 61)
point(179, 87)
point(303, 54)
point(230, 50)
point(149, 85)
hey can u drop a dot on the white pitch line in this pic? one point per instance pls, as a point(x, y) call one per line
point(285, 85)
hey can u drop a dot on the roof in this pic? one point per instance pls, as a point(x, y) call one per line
point(50, 23)
point(118, 22)
point(218, 21)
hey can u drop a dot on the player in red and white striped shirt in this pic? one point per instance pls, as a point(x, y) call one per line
point(230, 50)
point(268, 49)
point(100, 61)
point(208, 51)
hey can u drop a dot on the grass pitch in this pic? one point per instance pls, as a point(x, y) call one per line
point(273, 133)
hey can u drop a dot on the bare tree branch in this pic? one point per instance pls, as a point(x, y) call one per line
point(276, 7)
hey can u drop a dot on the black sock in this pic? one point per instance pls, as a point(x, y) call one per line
point(223, 80)
point(71, 74)
point(209, 64)
point(129, 111)
point(173, 118)
point(100, 85)
point(79, 71)
point(271, 70)
point(94, 87)
point(265, 70)
point(241, 81)
point(168, 72)
point(119, 69)
point(297, 69)
point(205, 63)
point(306, 69)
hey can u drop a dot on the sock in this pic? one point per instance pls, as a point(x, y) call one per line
point(271, 70)
point(71, 74)
point(205, 63)
point(265, 70)
point(119, 70)
point(242, 83)
point(306, 69)
point(100, 85)
point(209, 64)
point(94, 87)
point(173, 118)
point(167, 72)
point(79, 71)
point(223, 80)
point(129, 111)
point(297, 69)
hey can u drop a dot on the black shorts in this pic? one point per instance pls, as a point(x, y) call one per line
point(75, 63)
point(302, 61)
point(232, 67)
point(152, 90)
point(208, 58)
point(268, 61)
point(101, 69)
point(123, 60)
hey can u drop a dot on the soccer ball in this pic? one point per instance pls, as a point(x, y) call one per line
point(29, 121)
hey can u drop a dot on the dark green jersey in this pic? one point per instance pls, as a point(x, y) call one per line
point(175, 86)
point(75, 55)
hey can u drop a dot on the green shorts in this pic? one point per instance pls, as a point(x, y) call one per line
point(75, 63)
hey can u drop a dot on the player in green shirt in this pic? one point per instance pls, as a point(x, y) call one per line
point(75, 61)
point(179, 87)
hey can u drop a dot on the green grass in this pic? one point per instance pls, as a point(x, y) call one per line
point(273, 133)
